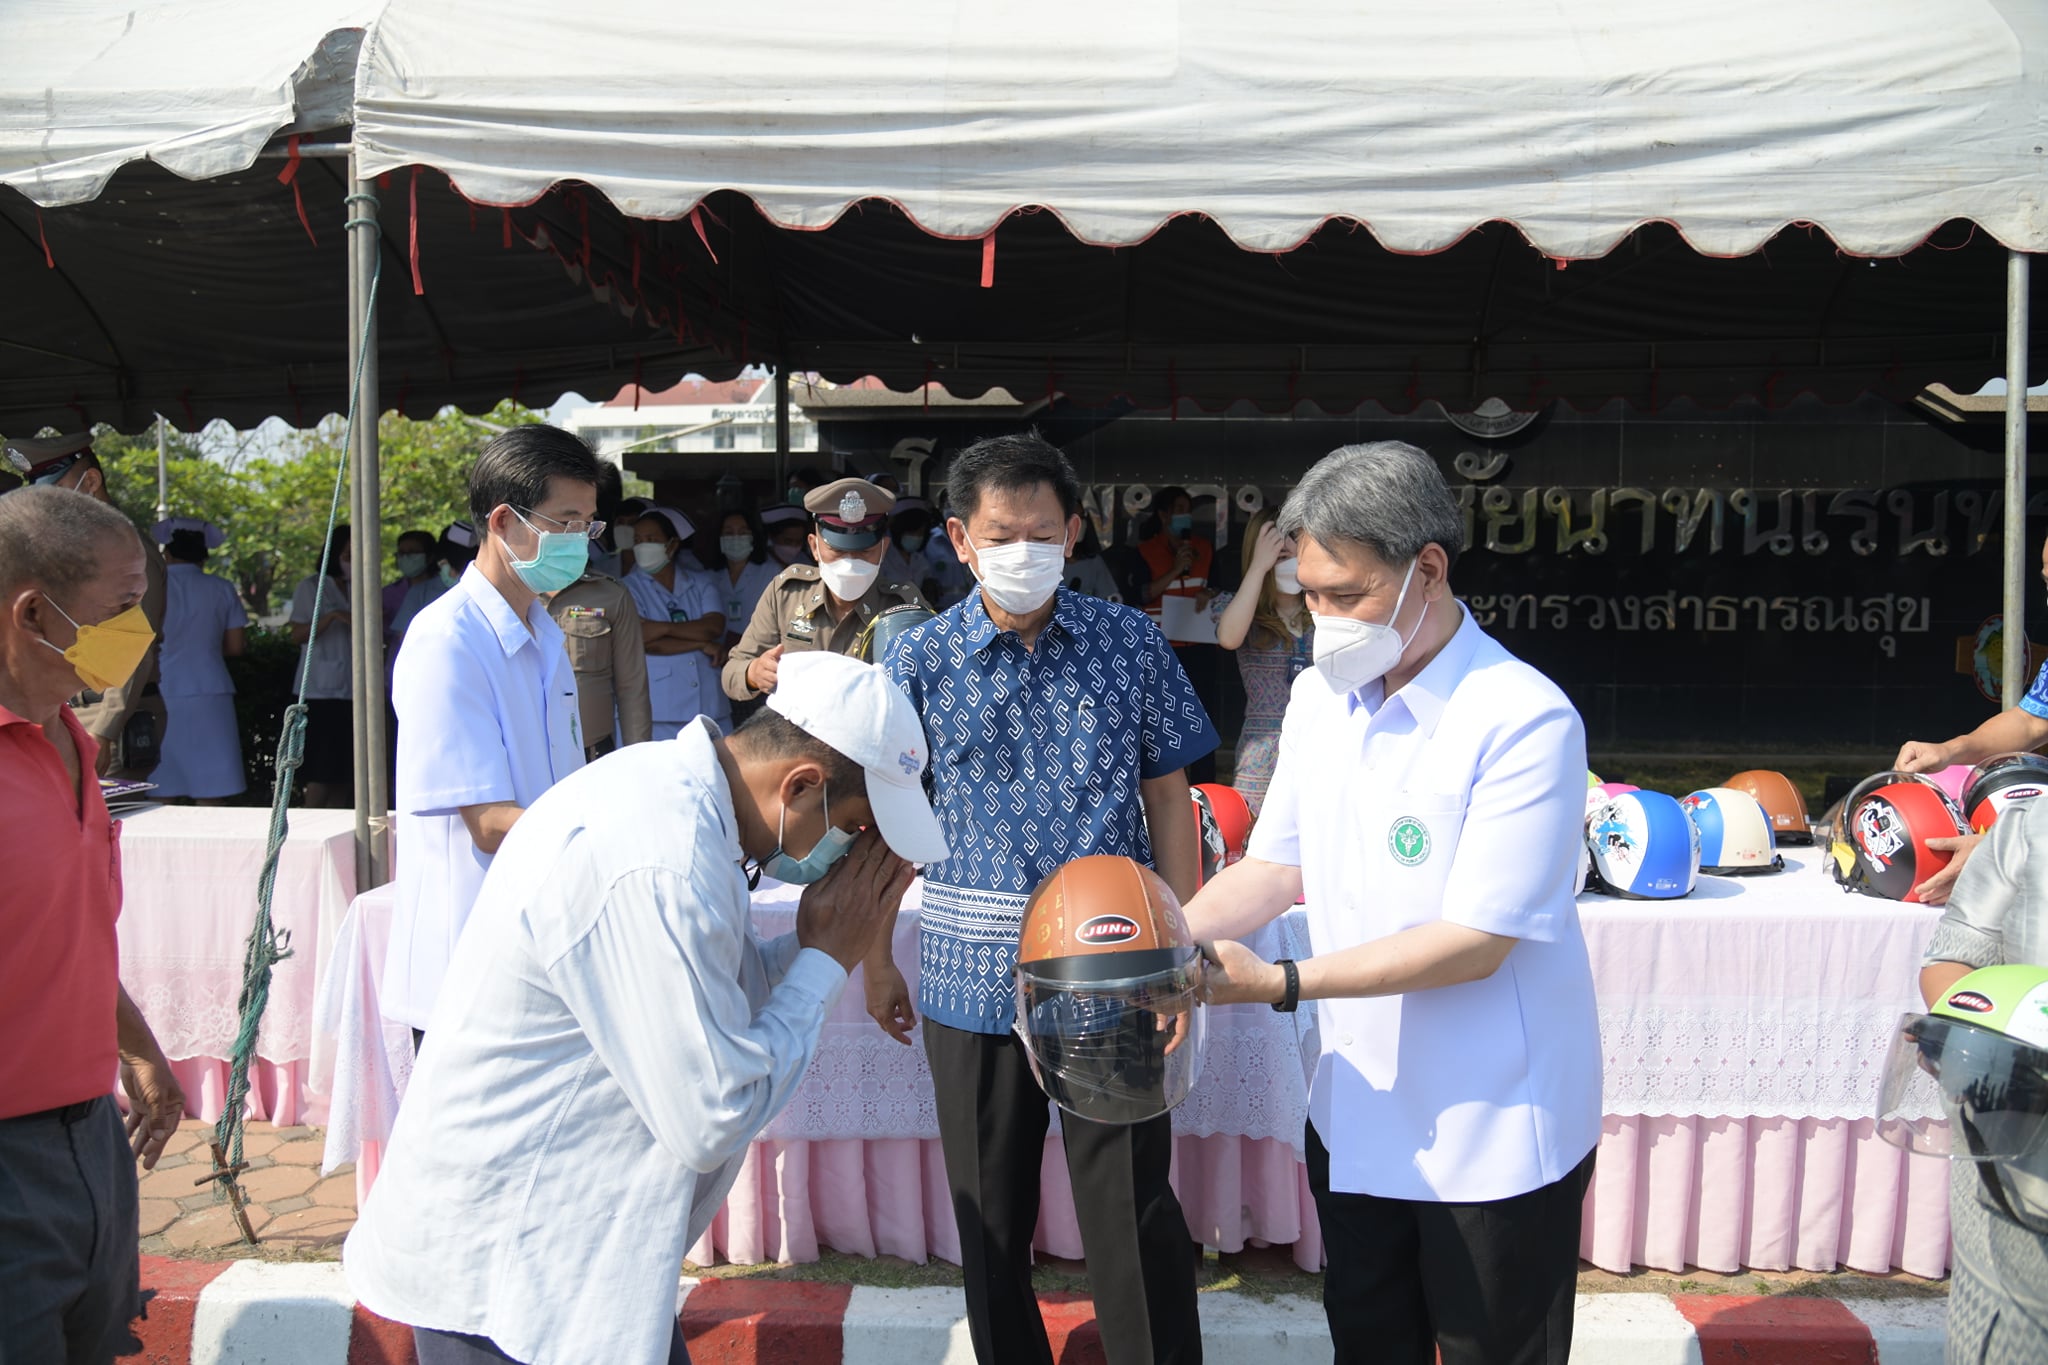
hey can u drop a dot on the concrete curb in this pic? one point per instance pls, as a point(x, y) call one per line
point(251, 1313)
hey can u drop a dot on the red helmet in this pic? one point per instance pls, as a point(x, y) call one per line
point(1223, 822)
point(1881, 846)
point(2002, 781)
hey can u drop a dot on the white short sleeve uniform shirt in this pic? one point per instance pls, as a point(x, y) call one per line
point(487, 711)
point(1460, 798)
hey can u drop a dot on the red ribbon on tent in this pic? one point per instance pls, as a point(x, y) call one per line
point(49, 261)
point(505, 222)
point(84, 418)
point(988, 260)
point(185, 402)
point(697, 222)
point(290, 176)
point(636, 264)
point(414, 252)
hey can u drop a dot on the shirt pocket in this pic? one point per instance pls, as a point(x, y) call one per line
point(589, 639)
point(1411, 843)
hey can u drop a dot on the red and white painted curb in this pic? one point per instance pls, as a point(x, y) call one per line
point(250, 1313)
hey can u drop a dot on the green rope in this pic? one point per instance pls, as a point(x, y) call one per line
point(269, 945)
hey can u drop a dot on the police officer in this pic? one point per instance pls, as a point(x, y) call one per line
point(601, 627)
point(822, 606)
point(127, 720)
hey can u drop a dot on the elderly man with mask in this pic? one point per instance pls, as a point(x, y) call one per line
point(611, 1035)
point(71, 585)
point(486, 699)
point(1428, 801)
point(826, 605)
point(126, 716)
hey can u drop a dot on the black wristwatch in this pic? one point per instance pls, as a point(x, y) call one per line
point(1287, 1002)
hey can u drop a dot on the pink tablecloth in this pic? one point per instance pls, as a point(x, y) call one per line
point(1737, 1031)
point(189, 898)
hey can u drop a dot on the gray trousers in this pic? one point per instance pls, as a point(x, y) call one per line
point(1998, 1284)
point(70, 1278)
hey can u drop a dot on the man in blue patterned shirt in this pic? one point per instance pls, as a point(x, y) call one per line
point(1060, 726)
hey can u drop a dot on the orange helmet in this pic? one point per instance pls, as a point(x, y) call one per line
point(1108, 991)
point(1223, 820)
point(1781, 801)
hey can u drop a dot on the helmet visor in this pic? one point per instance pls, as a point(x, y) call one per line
point(1117, 1051)
point(1992, 1089)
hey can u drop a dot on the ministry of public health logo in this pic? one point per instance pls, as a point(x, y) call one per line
point(1408, 841)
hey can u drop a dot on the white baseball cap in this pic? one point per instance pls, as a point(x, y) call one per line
point(854, 707)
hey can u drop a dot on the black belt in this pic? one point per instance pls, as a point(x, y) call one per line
point(66, 1114)
point(594, 752)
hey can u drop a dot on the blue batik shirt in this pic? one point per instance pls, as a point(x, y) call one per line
point(2035, 703)
point(1036, 759)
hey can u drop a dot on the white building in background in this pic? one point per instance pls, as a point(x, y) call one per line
point(695, 417)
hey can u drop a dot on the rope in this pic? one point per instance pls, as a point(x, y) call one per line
point(269, 945)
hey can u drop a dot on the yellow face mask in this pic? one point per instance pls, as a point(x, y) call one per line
point(106, 655)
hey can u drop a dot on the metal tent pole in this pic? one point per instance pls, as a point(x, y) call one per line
point(782, 460)
point(366, 542)
point(163, 476)
point(2013, 684)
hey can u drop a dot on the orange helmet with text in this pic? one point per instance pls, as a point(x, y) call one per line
point(1783, 806)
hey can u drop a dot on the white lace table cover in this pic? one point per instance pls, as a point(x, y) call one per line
point(189, 879)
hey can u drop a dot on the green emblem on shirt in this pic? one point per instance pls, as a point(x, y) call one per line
point(1408, 841)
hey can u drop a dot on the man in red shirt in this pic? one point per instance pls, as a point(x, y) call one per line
point(71, 584)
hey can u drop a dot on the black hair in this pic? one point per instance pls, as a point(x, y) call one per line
point(770, 734)
point(418, 537)
point(456, 557)
point(759, 554)
point(188, 547)
point(611, 491)
point(53, 538)
point(338, 543)
point(1010, 464)
point(1167, 496)
point(808, 476)
point(513, 469)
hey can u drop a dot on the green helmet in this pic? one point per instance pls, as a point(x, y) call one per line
point(1979, 1058)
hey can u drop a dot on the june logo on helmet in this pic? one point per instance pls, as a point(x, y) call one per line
point(1108, 991)
point(2000, 783)
point(1978, 1059)
point(1735, 835)
point(1880, 841)
point(1643, 847)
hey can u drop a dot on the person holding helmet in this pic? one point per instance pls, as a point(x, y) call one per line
point(1428, 802)
point(611, 1035)
point(1997, 914)
point(2018, 728)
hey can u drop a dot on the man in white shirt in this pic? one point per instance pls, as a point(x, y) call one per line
point(1429, 802)
point(611, 1035)
point(486, 699)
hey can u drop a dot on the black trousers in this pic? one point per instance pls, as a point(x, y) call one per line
point(69, 1274)
point(1141, 1260)
point(1486, 1284)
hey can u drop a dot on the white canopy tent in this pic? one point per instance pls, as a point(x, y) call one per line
point(1577, 121)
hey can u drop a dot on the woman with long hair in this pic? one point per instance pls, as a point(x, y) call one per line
point(1266, 624)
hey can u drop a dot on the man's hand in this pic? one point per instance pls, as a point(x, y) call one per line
point(1934, 891)
point(889, 998)
point(156, 1105)
point(841, 912)
point(1238, 976)
point(1917, 756)
point(762, 669)
point(1184, 557)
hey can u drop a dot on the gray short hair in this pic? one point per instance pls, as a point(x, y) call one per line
point(54, 538)
point(1388, 496)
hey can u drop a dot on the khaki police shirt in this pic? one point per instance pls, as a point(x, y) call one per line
point(793, 613)
point(105, 715)
point(601, 629)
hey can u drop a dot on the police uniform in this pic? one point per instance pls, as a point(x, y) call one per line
point(601, 627)
point(848, 514)
point(128, 721)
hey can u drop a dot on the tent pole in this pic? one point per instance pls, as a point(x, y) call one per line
point(781, 425)
point(366, 615)
point(163, 480)
point(2013, 684)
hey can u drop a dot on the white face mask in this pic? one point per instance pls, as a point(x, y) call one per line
point(735, 548)
point(622, 536)
point(1285, 577)
point(1350, 653)
point(1019, 577)
point(651, 556)
point(787, 554)
point(849, 579)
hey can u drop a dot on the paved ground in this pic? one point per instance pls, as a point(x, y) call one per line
point(300, 1216)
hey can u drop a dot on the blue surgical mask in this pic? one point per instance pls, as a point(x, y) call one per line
point(558, 561)
point(803, 871)
point(1181, 524)
point(911, 542)
point(411, 565)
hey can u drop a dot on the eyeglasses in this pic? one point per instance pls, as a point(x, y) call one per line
point(593, 529)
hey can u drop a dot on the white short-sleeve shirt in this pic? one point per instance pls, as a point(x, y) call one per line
point(681, 687)
point(1460, 798)
point(487, 711)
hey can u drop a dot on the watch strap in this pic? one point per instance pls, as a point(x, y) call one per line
point(1292, 996)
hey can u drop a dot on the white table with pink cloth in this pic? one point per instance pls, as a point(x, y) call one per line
point(1743, 1032)
point(189, 878)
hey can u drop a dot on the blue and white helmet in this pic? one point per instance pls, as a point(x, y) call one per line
point(1735, 832)
point(1644, 847)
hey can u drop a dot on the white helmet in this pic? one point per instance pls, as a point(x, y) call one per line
point(1735, 832)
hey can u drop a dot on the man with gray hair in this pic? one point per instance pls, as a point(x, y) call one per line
point(1428, 805)
point(71, 588)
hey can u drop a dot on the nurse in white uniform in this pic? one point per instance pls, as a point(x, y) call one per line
point(745, 570)
point(204, 625)
point(682, 614)
point(1427, 804)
